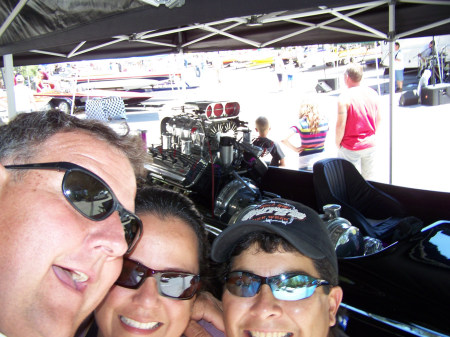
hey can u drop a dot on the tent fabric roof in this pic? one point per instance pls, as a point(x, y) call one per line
point(50, 31)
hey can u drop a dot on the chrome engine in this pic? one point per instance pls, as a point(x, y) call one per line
point(206, 153)
point(204, 148)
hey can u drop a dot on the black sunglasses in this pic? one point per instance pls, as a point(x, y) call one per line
point(174, 284)
point(286, 287)
point(91, 196)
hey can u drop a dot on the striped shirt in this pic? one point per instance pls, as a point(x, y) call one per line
point(311, 142)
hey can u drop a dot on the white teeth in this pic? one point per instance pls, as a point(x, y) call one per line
point(78, 276)
point(139, 325)
point(270, 334)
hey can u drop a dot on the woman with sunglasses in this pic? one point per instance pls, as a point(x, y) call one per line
point(280, 272)
point(160, 279)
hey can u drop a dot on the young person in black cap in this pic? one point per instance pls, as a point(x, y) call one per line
point(280, 272)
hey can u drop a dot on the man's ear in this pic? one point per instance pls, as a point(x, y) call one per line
point(334, 300)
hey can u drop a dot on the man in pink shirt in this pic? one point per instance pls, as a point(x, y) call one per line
point(357, 122)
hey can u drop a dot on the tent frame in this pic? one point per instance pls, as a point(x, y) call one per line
point(214, 28)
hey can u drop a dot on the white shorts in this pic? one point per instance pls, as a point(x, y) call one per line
point(362, 159)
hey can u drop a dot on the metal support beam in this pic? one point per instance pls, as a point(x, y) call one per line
point(236, 24)
point(359, 24)
point(75, 49)
point(360, 9)
point(349, 31)
point(421, 29)
point(231, 36)
point(284, 37)
point(391, 82)
point(171, 45)
point(12, 16)
point(371, 4)
point(167, 32)
point(99, 46)
point(37, 51)
point(427, 2)
point(335, 29)
point(9, 83)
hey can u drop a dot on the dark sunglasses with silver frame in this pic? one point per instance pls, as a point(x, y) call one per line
point(91, 196)
point(171, 283)
point(286, 286)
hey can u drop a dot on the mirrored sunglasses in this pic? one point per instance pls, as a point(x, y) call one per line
point(286, 287)
point(91, 196)
point(173, 284)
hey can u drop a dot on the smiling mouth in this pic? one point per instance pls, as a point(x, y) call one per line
point(139, 325)
point(73, 278)
point(268, 334)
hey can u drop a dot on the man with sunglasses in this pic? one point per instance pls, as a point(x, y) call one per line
point(67, 189)
point(280, 272)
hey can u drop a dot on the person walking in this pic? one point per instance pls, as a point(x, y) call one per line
point(399, 67)
point(290, 69)
point(25, 101)
point(280, 69)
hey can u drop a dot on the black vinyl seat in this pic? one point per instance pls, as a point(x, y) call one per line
point(375, 213)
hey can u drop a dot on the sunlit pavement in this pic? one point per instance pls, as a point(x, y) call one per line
point(420, 135)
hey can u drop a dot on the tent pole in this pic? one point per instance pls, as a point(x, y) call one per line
point(180, 64)
point(9, 84)
point(378, 75)
point(391, 80)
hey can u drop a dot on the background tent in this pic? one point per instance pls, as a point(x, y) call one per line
point(50, 31)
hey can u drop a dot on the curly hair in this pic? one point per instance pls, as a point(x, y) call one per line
point(310, 111)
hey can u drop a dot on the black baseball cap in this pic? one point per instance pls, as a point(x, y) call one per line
point(298, 224)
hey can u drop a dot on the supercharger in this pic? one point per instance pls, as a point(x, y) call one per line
point(206, 153)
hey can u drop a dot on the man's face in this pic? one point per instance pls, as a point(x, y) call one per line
point(264, 315)
point(57, 264)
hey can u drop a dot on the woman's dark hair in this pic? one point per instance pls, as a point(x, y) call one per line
point(163, 203)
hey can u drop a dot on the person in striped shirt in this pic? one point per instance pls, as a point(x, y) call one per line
point(312, 128)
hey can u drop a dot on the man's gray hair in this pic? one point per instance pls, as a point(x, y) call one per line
point(21, 138)
point(354, 72)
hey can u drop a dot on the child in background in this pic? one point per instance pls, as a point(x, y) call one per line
point(270, 147)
